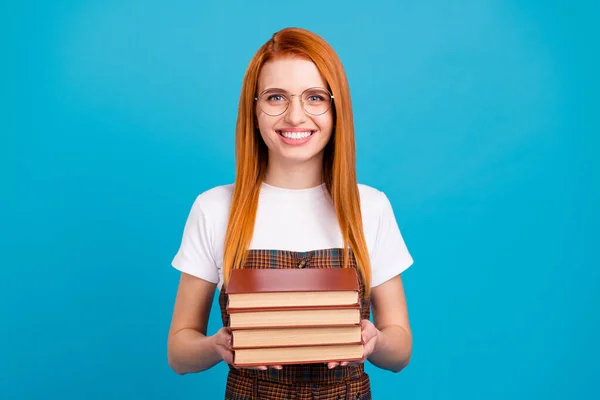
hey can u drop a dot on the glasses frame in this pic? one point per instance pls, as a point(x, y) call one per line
point(289, 101)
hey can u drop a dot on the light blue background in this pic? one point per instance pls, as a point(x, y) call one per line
point(477, 118)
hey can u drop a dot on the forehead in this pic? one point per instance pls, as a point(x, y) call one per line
point(291, 74)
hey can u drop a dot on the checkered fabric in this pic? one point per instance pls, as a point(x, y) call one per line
point(299, 381)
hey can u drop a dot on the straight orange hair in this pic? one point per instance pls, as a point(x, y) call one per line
point(339, 165)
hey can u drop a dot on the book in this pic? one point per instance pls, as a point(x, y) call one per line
point(261, 338)
point(288, 288)
point(286, 316)
point(240, 301)
point(293, 318)
point(296, 355)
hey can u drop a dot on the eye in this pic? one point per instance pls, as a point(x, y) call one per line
point(314, 98)
point(275, 97)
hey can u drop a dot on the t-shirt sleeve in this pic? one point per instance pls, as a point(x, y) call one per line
point(195, 255)
point(390, 256)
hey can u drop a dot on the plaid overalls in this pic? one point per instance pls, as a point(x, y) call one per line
point(299, 382)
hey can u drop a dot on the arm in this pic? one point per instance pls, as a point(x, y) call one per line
point(189, 349)
point(388, 342)
point(393, 346)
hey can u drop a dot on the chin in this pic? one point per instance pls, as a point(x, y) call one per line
point(299, 156)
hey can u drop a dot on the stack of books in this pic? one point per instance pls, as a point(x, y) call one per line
point(294, 316)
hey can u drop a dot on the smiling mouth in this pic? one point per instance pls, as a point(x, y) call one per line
point(295, 135)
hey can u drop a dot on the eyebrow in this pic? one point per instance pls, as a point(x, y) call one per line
point(286, 91)
point(273, 89)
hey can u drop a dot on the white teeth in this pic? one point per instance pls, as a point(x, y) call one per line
point(296, 135)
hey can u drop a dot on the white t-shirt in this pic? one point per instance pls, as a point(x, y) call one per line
point(290, 219)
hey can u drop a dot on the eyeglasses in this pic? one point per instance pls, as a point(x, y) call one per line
point(314, 101)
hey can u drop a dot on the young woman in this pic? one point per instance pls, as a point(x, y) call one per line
point(295, 203)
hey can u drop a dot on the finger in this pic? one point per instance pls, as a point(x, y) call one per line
point(227, 341)
point(277, 367)
point(332, 365)
point(257, 367)
point(368, 349)
point(364, 335)
point(368, 334)
point(345, 364)
point(365, 325)
point(226, 344)
point(228, 357)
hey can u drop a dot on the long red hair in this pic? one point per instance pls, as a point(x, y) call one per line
point(339, 165)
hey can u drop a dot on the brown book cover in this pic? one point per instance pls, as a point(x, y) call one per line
point(247, 280)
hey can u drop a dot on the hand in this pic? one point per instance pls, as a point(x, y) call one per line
point(223, 341)
point(369, 335)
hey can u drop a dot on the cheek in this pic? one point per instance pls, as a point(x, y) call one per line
point(265, 128)
point(264, 122)
point(326, 125)
point(261, 123)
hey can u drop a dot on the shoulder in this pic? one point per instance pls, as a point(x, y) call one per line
point(200, 251)
point(387, 249)
point(372, 201)
point(214, 201)
point(373, 205)
point(368, 192)
point(377, 213)
point(210, 210)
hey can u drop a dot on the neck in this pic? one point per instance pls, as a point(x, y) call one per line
point(295, 175)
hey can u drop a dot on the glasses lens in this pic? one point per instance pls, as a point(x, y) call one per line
point(316, 101)
point(273, 102)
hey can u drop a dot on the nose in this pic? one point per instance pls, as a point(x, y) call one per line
point(295, 114)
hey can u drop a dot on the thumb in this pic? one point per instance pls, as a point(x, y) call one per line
point(224, 339)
